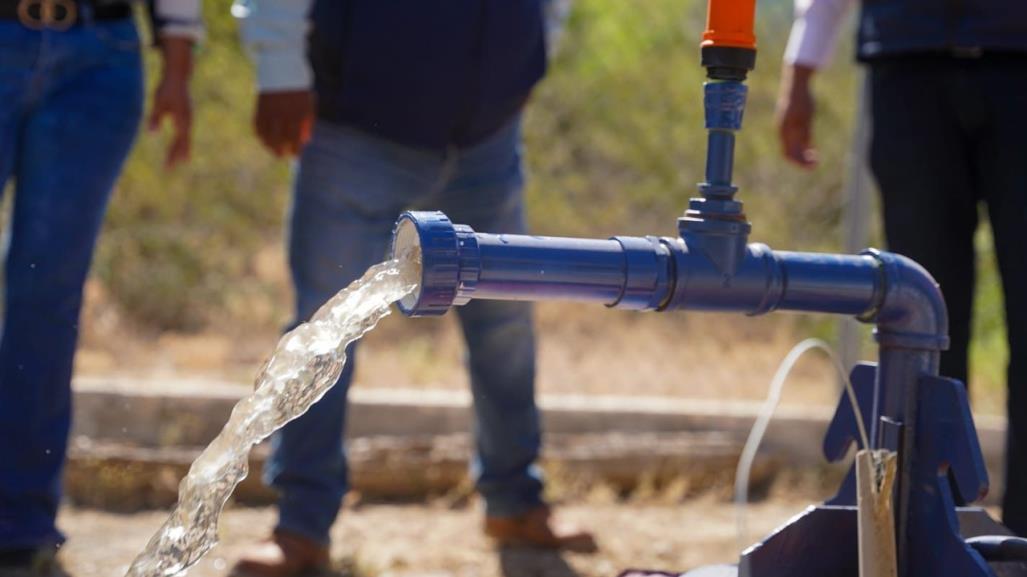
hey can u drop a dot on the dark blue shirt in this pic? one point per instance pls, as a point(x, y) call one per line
point(426, 73)
point(895, 27)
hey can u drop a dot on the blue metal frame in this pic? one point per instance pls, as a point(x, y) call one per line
point(946, 451)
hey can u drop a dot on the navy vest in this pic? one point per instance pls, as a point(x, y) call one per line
point(426, 73)
point(892, 27)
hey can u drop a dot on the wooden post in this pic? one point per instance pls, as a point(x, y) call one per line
point(875, 479)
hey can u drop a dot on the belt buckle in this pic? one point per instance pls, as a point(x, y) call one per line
point(47, 14)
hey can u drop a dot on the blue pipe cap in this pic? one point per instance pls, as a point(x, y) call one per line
point(434, 235)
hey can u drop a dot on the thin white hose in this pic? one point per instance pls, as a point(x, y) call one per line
point(766, 413)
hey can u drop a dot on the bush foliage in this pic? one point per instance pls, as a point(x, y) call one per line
point(615, 145)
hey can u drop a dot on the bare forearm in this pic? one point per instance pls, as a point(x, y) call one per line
point(795, 107)
point(171, 97)
point(797, 77)
point(177, 59)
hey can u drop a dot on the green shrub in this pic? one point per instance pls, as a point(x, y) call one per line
point(177, 245)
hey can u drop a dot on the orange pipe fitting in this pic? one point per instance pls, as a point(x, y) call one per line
point(730, 23)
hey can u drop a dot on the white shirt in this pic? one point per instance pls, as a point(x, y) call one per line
point(815, 31)
point(275, 32)
point(179, 18)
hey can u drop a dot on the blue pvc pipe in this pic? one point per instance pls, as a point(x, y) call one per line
point(519, 267)
point(628, 272)
point(720, 157)
point(830, 283)
point(892, 291)
point(459, 264)
point(767, 280)
point(650, 273)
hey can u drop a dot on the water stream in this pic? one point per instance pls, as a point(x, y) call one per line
point(305, 364)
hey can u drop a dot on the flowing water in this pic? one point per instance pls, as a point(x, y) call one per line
point(306, 363)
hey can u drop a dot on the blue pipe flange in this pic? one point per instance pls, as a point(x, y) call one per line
point(432, 233)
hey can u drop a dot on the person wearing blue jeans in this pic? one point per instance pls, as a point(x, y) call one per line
point(71, 96)
point(346, 201)
point(418, 105)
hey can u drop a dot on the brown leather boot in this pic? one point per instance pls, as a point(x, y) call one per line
point(534, 528)
point(285, 554)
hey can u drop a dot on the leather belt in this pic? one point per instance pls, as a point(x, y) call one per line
point(60, 14)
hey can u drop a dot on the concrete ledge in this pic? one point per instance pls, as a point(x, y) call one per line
point(152, 415)
point(190, 413)
point(126, 478)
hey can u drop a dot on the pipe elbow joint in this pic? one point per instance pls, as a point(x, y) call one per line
point(910, 312)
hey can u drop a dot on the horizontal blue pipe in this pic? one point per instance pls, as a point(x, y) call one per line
point(519, 267)
point(767, 280)
point(629, 272)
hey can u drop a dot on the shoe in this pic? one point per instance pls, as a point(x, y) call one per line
point(285, 554)
point(534, 528)
point(30, 562)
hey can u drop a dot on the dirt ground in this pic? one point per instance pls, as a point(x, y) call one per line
point(436, 541)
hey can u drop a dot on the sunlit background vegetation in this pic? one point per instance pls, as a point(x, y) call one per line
point(615, 146)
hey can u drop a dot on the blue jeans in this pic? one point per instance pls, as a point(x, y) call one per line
point(350, 187)
point(70, 104)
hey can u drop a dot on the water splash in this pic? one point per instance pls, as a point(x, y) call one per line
point(306, 363)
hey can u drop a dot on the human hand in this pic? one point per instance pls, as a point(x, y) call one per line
point(171, 98)
point(284, 120)
point(795, 110)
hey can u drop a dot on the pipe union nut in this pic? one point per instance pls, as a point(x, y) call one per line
point(724, 103)
point(436, 237)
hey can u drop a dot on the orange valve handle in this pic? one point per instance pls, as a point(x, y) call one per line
point(728, 47)
point(730, 23)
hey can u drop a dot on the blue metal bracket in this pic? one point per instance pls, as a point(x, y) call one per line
point(948, 451)
point(843, 433)
point(946, 442)
point(925, 419)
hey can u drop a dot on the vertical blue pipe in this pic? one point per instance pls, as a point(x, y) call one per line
point(720, 162)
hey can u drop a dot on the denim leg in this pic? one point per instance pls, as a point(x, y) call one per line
point(16, 67)
point(15, 71)
point(1003, 174)
point(349, 188)
point(486, 192)
point(930, 214)
point(501, 361)
point(71, 148)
